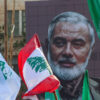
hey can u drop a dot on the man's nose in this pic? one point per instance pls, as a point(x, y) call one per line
point(68, 50)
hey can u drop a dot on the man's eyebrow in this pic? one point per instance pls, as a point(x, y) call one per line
point(59, 38)
point(78, 40)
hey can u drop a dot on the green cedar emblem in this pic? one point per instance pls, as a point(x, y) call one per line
point(6, 72)
point(38, 63)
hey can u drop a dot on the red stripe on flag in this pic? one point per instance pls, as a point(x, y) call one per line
point(49, 84)
point(25, 53)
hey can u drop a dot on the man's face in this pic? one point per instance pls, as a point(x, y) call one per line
point(70, 45)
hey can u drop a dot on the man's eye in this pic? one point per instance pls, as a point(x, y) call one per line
point(78, 43)
point(59, 42)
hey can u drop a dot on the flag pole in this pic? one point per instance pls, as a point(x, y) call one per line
point(5, 31)
point(12, 32)
point(56, 98)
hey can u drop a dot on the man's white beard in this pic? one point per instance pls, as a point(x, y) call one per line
point(68, 73)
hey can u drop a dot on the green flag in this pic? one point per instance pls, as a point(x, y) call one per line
point(86, 89)
point(94, 8)
point(50, 96)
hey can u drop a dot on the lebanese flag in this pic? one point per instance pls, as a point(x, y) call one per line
point(10, 82)
point(35, 70)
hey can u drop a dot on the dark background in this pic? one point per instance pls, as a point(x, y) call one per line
point(40, 13)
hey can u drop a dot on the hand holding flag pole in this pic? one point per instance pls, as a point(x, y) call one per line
point(35, 70)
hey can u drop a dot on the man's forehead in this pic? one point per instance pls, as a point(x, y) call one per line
point(71, 29)
point(71, 26)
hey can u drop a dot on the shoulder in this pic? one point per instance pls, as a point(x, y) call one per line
point(95, 82)
point(95, 87)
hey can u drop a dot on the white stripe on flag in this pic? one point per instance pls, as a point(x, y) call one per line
point(9, 81)
point(31, 77)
